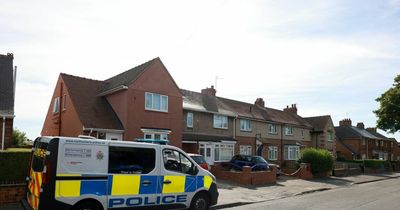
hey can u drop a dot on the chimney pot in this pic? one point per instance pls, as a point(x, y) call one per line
point(260, 102)
point(209, 91)
point(360, 125)
point(292, 109)
point(345, 122)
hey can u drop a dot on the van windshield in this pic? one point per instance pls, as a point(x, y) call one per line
point(39, 156)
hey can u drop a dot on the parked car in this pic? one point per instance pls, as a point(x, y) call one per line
point(257, 163)
point(199, 159)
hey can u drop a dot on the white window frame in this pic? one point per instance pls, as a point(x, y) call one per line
point(245, 125)
point(64, 102)
point(222, 119)
point(292, 152)
point(218, 156)
point(330, 136)
point(189, 120)
point(363, 142)
point(246, 150)
point(163, 136)
point(289, 130)
point(272, 153)
point(56, 105)
point(272, 129)
point(149, 102)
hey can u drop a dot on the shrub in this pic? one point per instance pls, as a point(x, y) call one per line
point(14, 164)
point(320, 159)
point(18, 137)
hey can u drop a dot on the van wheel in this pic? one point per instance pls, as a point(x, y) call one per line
point(201, 201)
point(88, 205)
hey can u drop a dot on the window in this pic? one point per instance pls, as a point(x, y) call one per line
point(245, 150)
point(162, 136)
point(156, 102)
point(363, 142)
point(330, 136)
point(272, 153)
point(220, 121)
point(272, 129)
point(223, 152)
point(56, 105)
point(101, 135)
point(189, 120)
point(288, 130)
point(292, 152)
point(64, 100)
point(376, 143)
point(245, 125)
point(176, 161)
point(130, 160)
point(381, 143)
point(391, 145)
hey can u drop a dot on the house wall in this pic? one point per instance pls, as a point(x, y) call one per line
point(7, 133)
point(65, 122)
point(119, 103)
point(156, 80)
point(204, 123)
point(321, 139)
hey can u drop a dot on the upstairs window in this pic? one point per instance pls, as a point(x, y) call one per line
point(330, 136)
point(156, 102)
point(220, 121)
point(272, 129)
point(189, 120)
point(56, 105)
point(245, 125)
point(64, 100)
point(288, 130)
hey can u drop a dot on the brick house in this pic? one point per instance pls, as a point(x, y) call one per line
point(323, 134)
point(143, 102)
point(396, 149)
point(7, 98)
point(218, 128)
point(356, 142)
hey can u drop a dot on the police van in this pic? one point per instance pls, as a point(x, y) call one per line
point(86, 174)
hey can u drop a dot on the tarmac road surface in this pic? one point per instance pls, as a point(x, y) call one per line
point(379, 195)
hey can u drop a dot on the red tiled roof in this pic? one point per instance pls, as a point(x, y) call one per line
point(94, 111)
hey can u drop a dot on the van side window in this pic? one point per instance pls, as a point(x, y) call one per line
point(176, 161)
point(130, 160)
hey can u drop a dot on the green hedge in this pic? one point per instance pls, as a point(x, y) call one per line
point(374, 164)
point(321, 160)
point(14, 164)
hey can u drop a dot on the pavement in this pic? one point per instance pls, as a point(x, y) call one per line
point(231, 195)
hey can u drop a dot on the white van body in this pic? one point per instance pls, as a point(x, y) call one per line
point(75, 173)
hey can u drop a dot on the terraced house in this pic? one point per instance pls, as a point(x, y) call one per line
point(356, 142)
point(145, 102)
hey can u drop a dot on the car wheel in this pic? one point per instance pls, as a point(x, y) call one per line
point(200, 202)
point(88, 205)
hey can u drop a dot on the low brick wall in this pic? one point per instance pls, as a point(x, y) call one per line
point(245, 177)
point(304, 172)
point(12, 193)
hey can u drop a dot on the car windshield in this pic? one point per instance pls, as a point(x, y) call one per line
point(198, 159)
point(259, 159)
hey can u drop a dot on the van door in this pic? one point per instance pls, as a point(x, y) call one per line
point(179, 181)
point(133, 176)
point(35, 179)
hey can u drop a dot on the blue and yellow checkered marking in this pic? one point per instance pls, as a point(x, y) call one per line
point(128, 184)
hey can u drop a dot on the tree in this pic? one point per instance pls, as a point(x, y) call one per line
point(18, 137)
point(389, 111)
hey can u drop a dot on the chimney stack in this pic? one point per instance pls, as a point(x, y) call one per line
point(372, 129)
point(292, 109)
point(345, 122)
point(260, 102)
point(360, 125)
point(209, 91)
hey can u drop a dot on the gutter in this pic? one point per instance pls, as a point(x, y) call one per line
point(113, 90)
point(104, 130)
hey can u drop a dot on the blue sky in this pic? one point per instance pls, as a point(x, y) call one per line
point(329, 57)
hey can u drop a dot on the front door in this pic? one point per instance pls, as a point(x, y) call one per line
point(206, 152)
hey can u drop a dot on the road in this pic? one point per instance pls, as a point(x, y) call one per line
point(380, 195)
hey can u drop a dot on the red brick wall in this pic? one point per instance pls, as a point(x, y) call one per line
point(248, 141)
point(245, 177)
point(11, 194)
point(70, 123)
point(8, 132)
point(156, 80)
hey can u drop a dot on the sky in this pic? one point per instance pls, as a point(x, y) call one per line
point(331, 57)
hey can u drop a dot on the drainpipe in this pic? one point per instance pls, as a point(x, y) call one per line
point(366, 141)
point(3, 133)
point(282, 149)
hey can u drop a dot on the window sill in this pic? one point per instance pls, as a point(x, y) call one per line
point(247, 131)
point(155, 110)
point(273, 133)
point(221, 128)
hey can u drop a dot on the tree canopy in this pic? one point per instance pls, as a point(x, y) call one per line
point(18, 137)
point(389, 111)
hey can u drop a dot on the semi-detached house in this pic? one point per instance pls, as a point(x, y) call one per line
point(143, 102)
